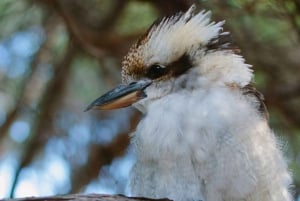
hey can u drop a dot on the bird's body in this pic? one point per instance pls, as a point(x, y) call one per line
point(210, 145)
point(205, 134)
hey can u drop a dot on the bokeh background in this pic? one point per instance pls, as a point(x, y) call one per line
point(56, 56)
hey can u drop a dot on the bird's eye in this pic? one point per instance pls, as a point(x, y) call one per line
point(156, 71)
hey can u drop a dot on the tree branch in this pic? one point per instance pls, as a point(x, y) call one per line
point(90, 197)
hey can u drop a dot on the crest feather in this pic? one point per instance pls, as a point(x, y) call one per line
point(177, 34)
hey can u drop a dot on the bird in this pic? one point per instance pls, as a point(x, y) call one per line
point(205, 133)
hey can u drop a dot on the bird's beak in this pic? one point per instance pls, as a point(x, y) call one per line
point(121, 96)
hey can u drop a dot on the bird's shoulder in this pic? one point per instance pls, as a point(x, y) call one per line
point(252, 93)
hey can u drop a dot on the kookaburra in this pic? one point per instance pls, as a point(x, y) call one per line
point(205, 133)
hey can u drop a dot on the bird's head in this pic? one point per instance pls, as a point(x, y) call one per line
point(181, 52)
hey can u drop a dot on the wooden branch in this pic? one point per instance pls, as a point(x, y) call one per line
point(96, 42)
point(167, 8)
point(42, 120)
point(89, 197)
point(22, 91)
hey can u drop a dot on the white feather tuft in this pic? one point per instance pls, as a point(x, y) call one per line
point(174, 36)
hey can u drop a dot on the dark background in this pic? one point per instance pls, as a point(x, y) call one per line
point(56, 56)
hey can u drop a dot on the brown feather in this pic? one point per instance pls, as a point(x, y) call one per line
point(250, 91)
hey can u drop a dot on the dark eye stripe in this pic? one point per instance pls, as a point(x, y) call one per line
point(156, 71)
point(173, 69)
point(181, 65)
